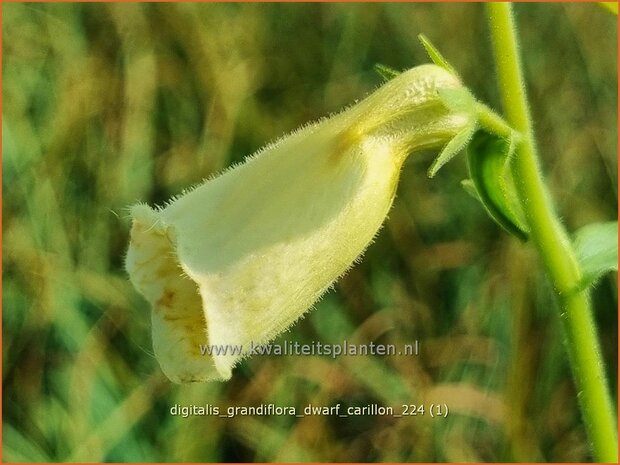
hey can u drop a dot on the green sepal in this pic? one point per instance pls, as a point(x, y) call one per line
point(452, 148)
point(596, 246)
point(488, 158)
point(435, 56)
point(386, 72)
point(469, 187)
point(458, 100)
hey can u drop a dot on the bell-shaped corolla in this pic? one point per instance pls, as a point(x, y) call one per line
point(238, 259)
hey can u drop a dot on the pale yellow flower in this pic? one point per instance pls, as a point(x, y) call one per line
point(243, 256)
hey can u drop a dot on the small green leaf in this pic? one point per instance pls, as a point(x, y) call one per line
point(435, 56)
point(596, 246)
point(488, 159)
point(386, 72)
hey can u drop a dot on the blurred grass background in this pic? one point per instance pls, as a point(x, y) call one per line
point(105, 105)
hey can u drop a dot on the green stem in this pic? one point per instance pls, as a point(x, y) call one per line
point(493, 123)
point(553, 245)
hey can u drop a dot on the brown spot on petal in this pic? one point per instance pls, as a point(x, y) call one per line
point(166, 300)
point(343, 144)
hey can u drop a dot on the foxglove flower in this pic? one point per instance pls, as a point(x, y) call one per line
point(238, 259)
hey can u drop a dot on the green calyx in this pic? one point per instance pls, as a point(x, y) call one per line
point(490, 144)
point(488, 160)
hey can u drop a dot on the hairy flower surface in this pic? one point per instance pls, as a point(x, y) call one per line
point(240, 258)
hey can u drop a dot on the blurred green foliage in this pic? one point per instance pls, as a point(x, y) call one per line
point(105, 105)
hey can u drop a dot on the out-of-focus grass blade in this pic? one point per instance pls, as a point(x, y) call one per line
point(18, 448)
point(610, 6)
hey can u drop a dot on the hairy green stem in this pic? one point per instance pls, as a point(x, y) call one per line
point(493, 123)
point(553, 245)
